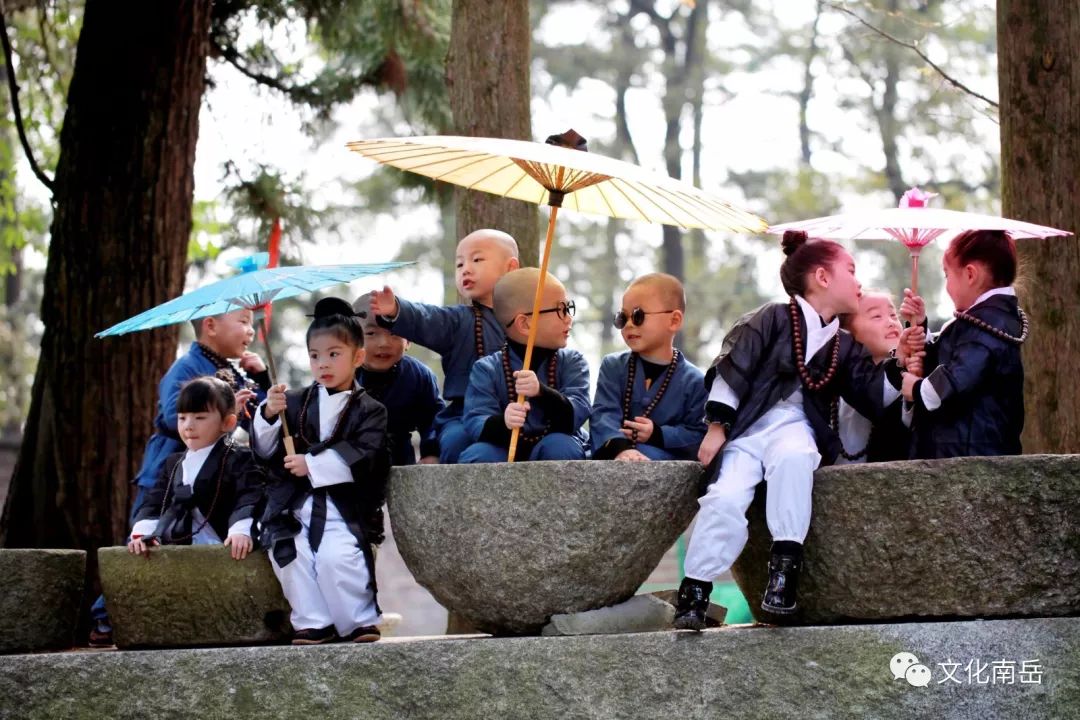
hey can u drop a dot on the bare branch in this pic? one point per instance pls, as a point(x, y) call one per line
point(914, 48)
point(13, 87)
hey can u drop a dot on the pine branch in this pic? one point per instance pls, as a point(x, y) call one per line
point(13, 86)
point(914, 48)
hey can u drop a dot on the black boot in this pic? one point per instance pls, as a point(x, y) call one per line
point(692, 604)
point(784, 566)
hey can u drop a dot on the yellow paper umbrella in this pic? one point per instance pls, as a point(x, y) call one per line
point(561, 174)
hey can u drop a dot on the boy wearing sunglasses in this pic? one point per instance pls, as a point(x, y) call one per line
point(555, 386)
point(650, 400)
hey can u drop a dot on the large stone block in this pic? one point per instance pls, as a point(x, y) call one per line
point(40, 595)
point(192, 595)
point(509, 545)
point(753, 673)
point(967, 537)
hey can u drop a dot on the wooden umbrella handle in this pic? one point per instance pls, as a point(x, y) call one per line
point(290, 445)
point(537, 299)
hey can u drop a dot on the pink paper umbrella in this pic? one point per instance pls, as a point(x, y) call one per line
point(915, 224)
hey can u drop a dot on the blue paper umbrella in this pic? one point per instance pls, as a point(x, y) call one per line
point(251, 289)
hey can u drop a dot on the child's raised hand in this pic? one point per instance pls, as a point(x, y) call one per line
point(526, 383)
point(631, 455)
point(913, 309)
point(241, 545)
point(643, 426)
point(714, 440)
point(243, 397)
point(915, 364)
point(297, 465)
point(275, 402)
point(138, 546)
point(383, 302)
point(514, 415)
point(252, 363)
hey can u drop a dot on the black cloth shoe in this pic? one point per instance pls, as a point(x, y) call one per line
point(692, 604)
point(315, 636)
point(784, 566)
point(363, 634)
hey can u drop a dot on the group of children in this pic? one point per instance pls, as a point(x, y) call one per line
point(828, 376)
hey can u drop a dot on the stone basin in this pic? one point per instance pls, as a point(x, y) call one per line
point(509, 545)
point(960, 538)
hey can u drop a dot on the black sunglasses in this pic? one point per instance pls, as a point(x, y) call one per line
point(636, 317)
point(563, 310)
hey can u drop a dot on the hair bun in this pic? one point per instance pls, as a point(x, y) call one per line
point(793, 240)
point(332, 306)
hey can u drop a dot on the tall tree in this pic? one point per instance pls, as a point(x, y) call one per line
point(487, 72)
point(1039, 85)
point(123, 192)
point(123, 217)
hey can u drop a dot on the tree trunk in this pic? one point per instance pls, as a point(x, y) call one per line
point(487, 72)
point(124, 184)
point(1039, 86)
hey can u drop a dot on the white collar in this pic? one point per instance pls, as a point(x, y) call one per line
point(1007, 290)
point(201, 454)
point(817, 334)
point(325, 394)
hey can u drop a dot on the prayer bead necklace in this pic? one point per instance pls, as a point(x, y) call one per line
point(812, 384)
point(511, 392)
point(478, 330)
point(337, 426)
point(983, 325)
point(213, 503)
point(628, 393)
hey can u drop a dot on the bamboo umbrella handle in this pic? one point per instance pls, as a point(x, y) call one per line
point(535, 317)
point(290, 446)
point(915, 272)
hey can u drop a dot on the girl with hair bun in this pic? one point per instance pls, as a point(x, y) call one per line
point(323, 509)
point(972, 400)
point(771, 392)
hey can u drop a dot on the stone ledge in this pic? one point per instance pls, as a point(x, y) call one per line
point(190, 596)
point(820, 672)
point(40, 595)
point(960, 538)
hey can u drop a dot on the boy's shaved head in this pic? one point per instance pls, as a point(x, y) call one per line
point(503, 241)
point(665, 287)
point(515, 291)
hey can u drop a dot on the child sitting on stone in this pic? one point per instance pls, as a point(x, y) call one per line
point(406, 386)
point(876, 326)
point(650, 400)
point(461, 334)
point(209, 492)
point(555, 386)
point(971, 401)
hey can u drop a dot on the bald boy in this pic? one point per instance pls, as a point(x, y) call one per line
point(555, 385)
point(650, 400)
point(461, 334)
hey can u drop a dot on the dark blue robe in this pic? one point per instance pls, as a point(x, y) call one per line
point(166, 438)
point(979, 378)
point(451, 332)
point(410, 393)
point(488, 396)
point(678, 419)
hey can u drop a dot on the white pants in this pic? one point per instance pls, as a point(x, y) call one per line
point(778, 448)
point(328, 587)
